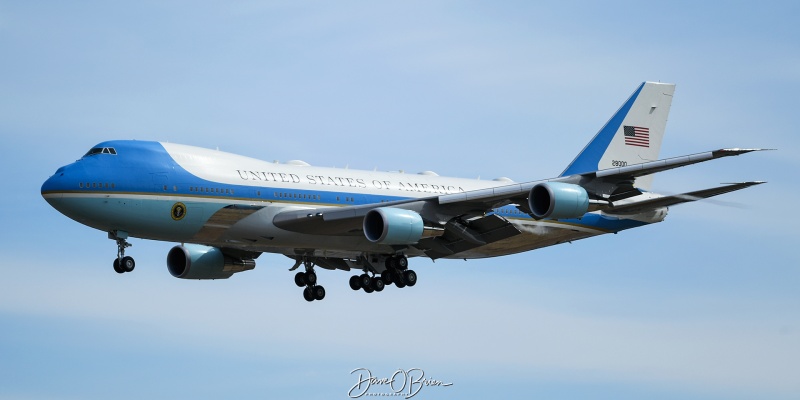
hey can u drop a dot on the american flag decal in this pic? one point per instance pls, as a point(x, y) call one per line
point(637, 136)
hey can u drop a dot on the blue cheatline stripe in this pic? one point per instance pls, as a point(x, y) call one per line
point(589, 158)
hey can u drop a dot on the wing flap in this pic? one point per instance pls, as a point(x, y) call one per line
point(480, 232)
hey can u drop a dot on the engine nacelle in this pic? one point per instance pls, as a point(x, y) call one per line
point(557, 200)
point(194, 261)
point(393, 226)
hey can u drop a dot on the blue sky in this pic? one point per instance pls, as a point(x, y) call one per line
point(702, 306)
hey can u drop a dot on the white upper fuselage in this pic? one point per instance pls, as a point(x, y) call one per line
point(137, 189)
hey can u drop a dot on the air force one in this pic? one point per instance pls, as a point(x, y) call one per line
point(227, 209)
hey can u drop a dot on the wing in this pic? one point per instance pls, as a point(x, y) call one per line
point(666, 201)
point(611, 184)
point(465, 219)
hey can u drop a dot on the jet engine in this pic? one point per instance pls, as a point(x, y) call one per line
point(194, 261)
point(556, 200)
point(393, 226)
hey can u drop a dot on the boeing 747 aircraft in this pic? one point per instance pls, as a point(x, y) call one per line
point(226, 209)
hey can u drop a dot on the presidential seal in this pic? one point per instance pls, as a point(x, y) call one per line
point(178, 211)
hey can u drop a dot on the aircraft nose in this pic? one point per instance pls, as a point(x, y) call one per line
point(54, 182)
point(62, 181)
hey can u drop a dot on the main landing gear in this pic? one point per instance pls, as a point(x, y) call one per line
point(122, 263)
point(309, 280)
point(396, 272)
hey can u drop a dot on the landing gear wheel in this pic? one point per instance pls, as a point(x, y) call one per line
point(127, 264)
point(118, 267)
point(311, 278)
point(318, 292)
point(122, 263)
point(365, 281)
point(402, 263)
point(300, 279)
point(386, 277)
point(355, 282)
point(308, 295)
point(378, 285)
point(398, 278)
point(410, 277)
point(369, 289)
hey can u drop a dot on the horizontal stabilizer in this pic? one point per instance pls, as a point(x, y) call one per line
point(666, 201)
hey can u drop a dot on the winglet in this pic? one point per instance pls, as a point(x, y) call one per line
point(734, 152)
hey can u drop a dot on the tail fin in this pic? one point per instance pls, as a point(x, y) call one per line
point(632, 136)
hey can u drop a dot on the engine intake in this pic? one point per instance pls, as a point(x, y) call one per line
point(556, 200)
point(194, 261)
point(393, 226)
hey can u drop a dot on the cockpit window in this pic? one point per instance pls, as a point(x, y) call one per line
point(101, 150)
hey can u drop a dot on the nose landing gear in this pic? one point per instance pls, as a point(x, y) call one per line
point(122, 263)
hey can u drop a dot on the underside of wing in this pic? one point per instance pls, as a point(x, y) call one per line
point(460, 236)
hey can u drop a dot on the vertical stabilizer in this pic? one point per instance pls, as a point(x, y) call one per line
point(632, 136)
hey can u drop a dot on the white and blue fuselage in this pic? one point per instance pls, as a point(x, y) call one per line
point(134, 186)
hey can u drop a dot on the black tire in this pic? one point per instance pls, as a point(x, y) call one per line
point(386, 276)
point(378, 285)
point(117, 268)
point(355, 282)
point(410, 278)
point(128, 264)
point(368, 289)
point(308, 295)
point(399, 280)
point(365, 281)
point(402, 263)
point(311, 278)
point(319, 292)
point(300, 279)
point(390, 263)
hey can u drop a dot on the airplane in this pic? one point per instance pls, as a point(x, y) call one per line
point(226, 209)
